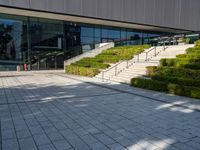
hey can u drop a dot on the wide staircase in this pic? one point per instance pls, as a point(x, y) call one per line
point(92, 53)
point(124, 71)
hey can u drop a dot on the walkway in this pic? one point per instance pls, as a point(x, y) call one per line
point(53, 111)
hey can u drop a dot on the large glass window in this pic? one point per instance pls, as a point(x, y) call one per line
point(13, 43)
point(97, 32)
point(87, 31)
point(46, 43)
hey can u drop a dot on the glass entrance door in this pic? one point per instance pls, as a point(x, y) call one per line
point(47, 60)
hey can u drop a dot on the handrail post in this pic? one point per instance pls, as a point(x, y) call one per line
point(146, 56)
point(155, 51)
point(115, 70)
point(164, 46)
point(102, 76)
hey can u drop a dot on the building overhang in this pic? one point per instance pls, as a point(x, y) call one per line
point(79, 19)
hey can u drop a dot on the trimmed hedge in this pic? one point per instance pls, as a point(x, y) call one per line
point(180, 81)
point(189, 56)
point(90, 66)
point(150, 70)
point(116, 54)
point(178, 62)
point(197, 44)
point(188, 91)
point(195, 66)
point(82, 71)
point(193, 50)
point(180, 75)
point(174, 72)
point(96, 65)
point(149, 84)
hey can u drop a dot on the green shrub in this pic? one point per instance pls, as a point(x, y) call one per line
point(91, 59)
point(109, 58)
point(197, 44)
point(187, 40)
point(195, 66)
point(175, 72)
point(116, 54)
point(189, 56)
point(178, 62)
point(91, 65)
point(167, 62)
point(161, 86)
point(188, 91)
point(150, 70)
point(176, 80)
point(193, 50)
point(82, 71)
point(180, 40)
point(149, 84)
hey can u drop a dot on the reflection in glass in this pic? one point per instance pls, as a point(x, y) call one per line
point(46, 43)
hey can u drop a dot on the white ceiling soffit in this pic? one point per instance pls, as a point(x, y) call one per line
point(14, 11)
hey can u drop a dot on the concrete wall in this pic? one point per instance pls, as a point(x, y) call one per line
point(180, 14)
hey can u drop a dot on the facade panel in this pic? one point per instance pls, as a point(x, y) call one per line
point(4, 2)
point(20, 3)
point(129, 10)
point(56, 6)
point(182, 14)
point(38, 4)
point(73, 7)
point(90, 7)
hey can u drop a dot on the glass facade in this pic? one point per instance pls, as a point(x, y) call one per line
point(45, 44)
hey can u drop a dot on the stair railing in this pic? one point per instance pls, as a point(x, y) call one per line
point(147, 53)
point(130, 63)
point(115, 68)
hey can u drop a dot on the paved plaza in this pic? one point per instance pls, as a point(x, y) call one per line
point(53, 111)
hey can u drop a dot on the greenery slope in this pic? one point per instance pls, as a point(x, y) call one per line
point(180, 75)
point(92, 66)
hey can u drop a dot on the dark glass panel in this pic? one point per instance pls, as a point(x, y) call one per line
point(87, 31)
point(114, 34)
point(145, 39)
point(13, 44)
point(97, 32)
point(104, 33)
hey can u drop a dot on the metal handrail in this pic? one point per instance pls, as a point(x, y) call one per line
point(113, 67)
point(154, 48)
point(130, 62)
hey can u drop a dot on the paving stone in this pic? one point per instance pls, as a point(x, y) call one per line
point(98, 146)
point(10, 144)
point(47, 147)
point(78, 144)
point(84, 116)
point(55, 136)
point(41, 139)
point(104, 139)
point(36, 130)
point(27, 143)
point(8, 134)
point(62, 145)
point(89, 139)
point(116, 146)
point(23, 134)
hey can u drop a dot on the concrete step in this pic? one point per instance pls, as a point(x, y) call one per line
point(139, 68)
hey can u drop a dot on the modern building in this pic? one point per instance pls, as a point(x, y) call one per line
point(44, 33)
